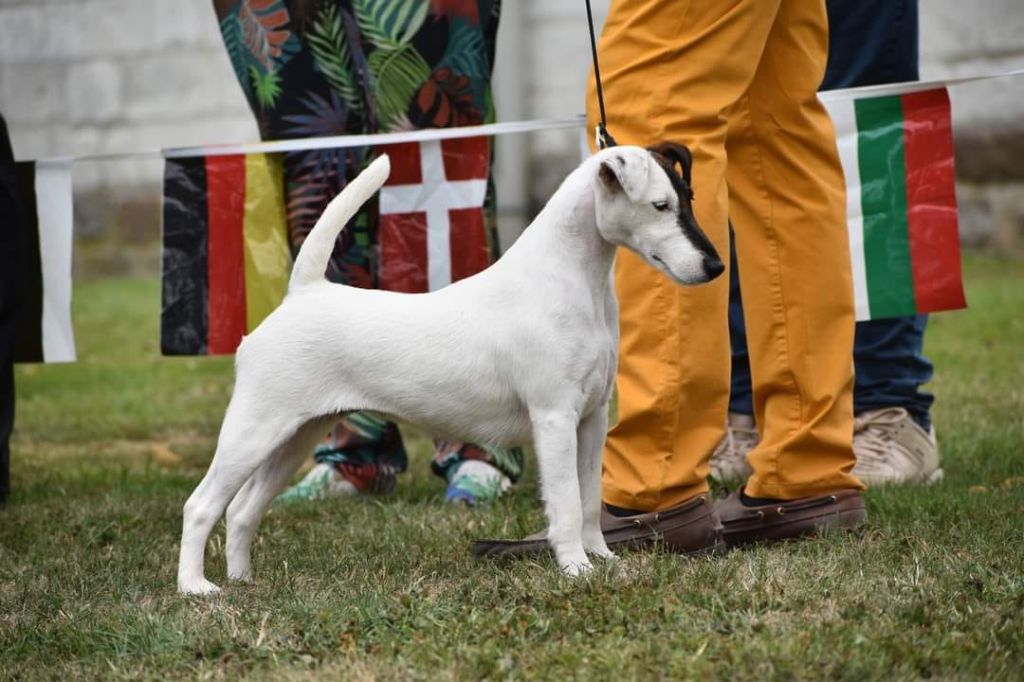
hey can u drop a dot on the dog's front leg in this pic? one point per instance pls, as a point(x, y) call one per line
point(554, 434)
point(591, 436)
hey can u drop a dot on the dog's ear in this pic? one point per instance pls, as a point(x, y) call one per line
point(675, 154)
point(625, 172)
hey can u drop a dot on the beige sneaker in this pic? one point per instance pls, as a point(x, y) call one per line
point(892, 449)
point(729, 460)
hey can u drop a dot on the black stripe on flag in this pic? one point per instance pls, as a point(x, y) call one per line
point(28, 344)
point(183, 313)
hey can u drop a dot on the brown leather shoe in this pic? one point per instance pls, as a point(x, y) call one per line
point(842, 509)
point(691, 528)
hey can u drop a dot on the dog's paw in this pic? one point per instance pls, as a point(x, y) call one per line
point(199, 587)
point(240, 576)
point(604, 553)
point(575, 569)
point(599, 548)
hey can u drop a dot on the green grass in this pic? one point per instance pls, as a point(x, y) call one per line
point(107, 450)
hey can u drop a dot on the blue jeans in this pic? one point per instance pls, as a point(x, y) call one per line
point(871, 42)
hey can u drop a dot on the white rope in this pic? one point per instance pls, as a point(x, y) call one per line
point(343, 141)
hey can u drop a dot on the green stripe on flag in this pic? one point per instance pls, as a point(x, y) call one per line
point(890, 280)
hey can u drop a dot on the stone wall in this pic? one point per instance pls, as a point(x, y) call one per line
point(106, 76)
point(84, 77)
point(964, 39)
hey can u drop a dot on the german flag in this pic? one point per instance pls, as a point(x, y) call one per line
point(43, 329)
point(225, 250)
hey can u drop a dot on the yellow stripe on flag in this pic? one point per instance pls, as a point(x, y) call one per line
point(267, 257)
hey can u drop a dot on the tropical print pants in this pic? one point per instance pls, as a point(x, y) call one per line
point(337, 67)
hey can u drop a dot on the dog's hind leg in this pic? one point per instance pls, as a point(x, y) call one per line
point(590, 438)
point(554, 437)
point(250, 504)
point(245, 443)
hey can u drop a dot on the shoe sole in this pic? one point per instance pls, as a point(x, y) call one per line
point(689, 530)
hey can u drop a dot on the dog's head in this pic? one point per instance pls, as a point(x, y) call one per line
point(644, 202)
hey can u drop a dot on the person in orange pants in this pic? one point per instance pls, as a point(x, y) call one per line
point(736, 82)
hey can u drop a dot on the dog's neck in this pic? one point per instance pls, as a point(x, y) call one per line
point(566, 230)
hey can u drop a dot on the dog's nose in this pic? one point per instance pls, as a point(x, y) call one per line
point(713, 267)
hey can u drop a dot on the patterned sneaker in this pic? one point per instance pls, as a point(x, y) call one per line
point(892, 449)
point(322, 481)
point(474, 482)
point(729, 460)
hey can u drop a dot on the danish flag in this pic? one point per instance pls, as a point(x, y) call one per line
point(431, 214)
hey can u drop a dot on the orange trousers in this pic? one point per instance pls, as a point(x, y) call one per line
point(736, 81)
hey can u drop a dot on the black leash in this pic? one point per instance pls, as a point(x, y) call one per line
point(602, 137)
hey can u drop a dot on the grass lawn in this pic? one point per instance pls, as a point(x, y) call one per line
point(107, 450)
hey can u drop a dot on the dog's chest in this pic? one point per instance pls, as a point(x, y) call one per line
point(599, 369)
point(588, 349)
point(604, 375)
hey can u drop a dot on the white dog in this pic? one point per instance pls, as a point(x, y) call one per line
point(538, 366)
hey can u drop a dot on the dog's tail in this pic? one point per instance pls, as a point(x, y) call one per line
point(311, 263)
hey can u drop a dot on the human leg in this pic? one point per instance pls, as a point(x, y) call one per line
point(870, 43)
point(476, 473)
point(363, 454)
point(6, 402)
point(10, 240)
point(729, 461)
point(741, 392)
point(322, 92)
point(788, 208)
point(877, 42)
point(671, 71)
point(891, 368)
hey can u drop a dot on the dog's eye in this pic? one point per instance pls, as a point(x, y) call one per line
point(660, 205)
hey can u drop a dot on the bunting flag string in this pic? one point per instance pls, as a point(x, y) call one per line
point(225, 272)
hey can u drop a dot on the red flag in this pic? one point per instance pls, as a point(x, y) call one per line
point(432, 229)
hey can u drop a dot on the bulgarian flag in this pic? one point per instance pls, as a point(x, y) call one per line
point(43, 331)
point(897, 155)
point(225, 250)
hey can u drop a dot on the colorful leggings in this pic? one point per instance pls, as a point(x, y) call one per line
point(368, 451)
point(312, 68)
